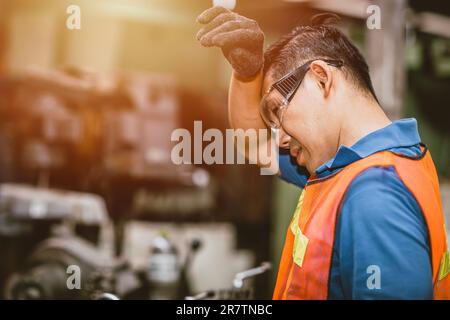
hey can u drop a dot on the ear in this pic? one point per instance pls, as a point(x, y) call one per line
point(323, 74)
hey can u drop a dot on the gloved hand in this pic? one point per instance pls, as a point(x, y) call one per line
point(240, 39)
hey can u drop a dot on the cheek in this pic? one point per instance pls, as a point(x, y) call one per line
point(298, 114)
point(302, 119)
point(309, 112)
point(295, 125)
point(307, 127)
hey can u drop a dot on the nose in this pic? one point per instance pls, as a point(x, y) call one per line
point(285, 139)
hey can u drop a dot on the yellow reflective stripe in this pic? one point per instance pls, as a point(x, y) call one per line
point(294, 222)
point(300, 244)
point(300, 240)
point(444, 268)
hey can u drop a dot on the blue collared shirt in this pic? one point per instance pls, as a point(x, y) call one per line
point(381, 248)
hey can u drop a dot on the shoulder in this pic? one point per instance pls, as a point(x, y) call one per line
point(379, 198)
point(379, 185)
point(380, 223)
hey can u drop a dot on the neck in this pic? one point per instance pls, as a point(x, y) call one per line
point(360, 117)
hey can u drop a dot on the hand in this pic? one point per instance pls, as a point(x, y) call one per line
point(240, 38)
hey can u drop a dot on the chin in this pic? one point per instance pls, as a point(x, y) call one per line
point(308, 166)
point(300, 161)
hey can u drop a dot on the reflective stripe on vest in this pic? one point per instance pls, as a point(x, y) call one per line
point(306, 259)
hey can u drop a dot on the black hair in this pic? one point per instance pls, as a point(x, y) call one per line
point(319, 40)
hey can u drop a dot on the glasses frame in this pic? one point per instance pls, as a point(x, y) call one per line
point(288, 85)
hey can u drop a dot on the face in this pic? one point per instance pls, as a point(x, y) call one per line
point(310, 124)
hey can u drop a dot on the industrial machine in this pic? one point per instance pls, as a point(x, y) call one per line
point(82, 154)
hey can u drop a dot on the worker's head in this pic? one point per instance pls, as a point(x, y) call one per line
point(331, 72)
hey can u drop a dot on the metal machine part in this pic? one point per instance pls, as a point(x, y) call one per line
point(201, 295)
point(25, 202)
point(51, 272)
point(45, 231)
point(239, 279)
point(164, 265)
point(167, 274)
point(237, 291)
point(106, 296)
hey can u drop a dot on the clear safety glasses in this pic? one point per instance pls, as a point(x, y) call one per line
point(276, 100)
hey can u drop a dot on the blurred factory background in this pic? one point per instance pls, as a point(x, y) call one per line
point(85, 123)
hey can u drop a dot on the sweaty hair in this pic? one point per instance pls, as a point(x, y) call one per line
point(319, 40)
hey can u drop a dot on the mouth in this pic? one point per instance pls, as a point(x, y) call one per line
point(296, 152)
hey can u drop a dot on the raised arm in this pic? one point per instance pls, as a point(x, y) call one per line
point(241, 41)
point(243, 102)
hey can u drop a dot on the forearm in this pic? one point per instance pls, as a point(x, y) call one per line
point(243, 111)
point(242, 43)
point(243, 103)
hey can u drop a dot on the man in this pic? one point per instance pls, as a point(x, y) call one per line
point(369, 223)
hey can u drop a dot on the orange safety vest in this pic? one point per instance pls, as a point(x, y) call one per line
point(306, 259)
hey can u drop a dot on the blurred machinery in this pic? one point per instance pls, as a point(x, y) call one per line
point(46, 235)
point(239, 291)
point(42, 233)
point(89, 123)
point(96, 133)
point(103, 133)
point(106, 138)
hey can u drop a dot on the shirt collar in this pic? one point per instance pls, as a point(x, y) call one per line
point(399, 134)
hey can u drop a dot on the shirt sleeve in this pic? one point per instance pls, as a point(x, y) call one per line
point(381, 241)
point(290, 171)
